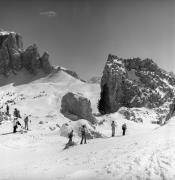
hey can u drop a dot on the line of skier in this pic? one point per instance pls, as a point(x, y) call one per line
point(83, 131)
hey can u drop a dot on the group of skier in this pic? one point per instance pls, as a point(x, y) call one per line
point(114, 126)
point(83, 132)
point(16, 122)
point(83, 135)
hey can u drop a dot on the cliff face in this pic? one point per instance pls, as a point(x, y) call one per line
point(134, 83)
point(13, 57)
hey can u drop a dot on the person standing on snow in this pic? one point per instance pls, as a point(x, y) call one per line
point(15, 113)
point(70, 136)
point(113, 126)
point(15, 124)
point(7, 109)
point(83, 134)
point(124, 127)
point(70, 142)
point(26, 123)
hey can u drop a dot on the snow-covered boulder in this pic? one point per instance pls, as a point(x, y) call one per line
point(76, 126)
point(78, 106)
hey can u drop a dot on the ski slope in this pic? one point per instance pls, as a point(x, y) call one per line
point(146, 152)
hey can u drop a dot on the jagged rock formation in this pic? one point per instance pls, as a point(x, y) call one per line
point(171, 111)
point(134, 83)
point(75, 106)
point(13, 58)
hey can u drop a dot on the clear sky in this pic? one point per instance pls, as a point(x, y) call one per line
point(79, 34)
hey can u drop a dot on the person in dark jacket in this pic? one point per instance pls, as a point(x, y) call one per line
point(124, 127)
point(16, 113)
point(15, 124)
point(83, 134)
point(7, 109)
point(70, 142)
point(70, 136)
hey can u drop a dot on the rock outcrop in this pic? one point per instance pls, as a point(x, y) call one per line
point(44, 62)
point(75, 106)
point(134, 83)
point(13, 57)
point(171, 111)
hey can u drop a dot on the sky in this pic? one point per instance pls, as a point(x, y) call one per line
point(79, 34)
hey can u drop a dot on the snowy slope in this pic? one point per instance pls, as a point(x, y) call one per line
point(146, 152)
point(147, 156)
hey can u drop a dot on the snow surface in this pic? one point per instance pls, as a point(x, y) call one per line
point(146, 152)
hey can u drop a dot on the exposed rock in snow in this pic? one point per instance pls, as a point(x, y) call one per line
point(171, 112)
point(143, 115)
point(72, 73)
point(78, 105)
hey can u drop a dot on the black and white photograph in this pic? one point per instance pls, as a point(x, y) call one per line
point(87, 89)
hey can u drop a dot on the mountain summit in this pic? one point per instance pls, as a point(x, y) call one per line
point(13, 57)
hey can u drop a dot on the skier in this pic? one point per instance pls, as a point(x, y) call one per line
point(15, 113)
point(113, 126)
point(70, 142)
point(15, 124)
point(70, 135)
point(7, 109)
point(83, 134)
point(26, 123)
point(124, 127)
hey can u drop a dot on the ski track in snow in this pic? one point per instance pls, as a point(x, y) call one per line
point(124, 158)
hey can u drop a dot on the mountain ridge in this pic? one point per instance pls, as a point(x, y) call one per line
point(14, 59)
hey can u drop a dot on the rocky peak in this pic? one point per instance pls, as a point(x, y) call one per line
point(134, 82)
point(11, 40)
point(13, 58)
